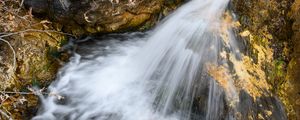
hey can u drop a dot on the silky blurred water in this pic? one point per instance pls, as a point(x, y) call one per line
point(158, 75)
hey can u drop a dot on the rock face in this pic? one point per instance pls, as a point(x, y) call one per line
point(270, 29)
point(293, 73)
point(102, 16)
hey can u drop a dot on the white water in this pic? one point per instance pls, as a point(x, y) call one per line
point(156, 79)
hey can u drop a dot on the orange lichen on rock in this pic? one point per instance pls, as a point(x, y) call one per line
point(224, 80)
point(248, 74)
point(220, 74)
point(249, 78)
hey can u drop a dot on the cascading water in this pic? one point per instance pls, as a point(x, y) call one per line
point(159, 76)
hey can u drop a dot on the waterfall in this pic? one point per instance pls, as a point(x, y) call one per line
point(162, 75)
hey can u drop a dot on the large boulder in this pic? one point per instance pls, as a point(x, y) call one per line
point(102, 16)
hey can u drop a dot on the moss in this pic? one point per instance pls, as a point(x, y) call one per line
point(35, 82)
point(277, 75)
point(63, 42)
point(91, 29)
point(146, 26)
point(53, 53)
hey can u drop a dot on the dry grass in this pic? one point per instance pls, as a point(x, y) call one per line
point(15, 23)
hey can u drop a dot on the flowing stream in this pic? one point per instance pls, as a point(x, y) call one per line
point(158, 75)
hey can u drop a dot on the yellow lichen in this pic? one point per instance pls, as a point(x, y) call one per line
point(248, 74)
point(220, 74)
point(245, 33)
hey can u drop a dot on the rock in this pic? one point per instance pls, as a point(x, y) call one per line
point(271, 26)
point(293, 73)
point(38, 6)
point(102, 16)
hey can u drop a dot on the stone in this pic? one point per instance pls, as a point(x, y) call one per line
point(87, 16)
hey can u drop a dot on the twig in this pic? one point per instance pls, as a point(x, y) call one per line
point(21, 4)
point(3, 113)
point(32, 91)
point(22, 93)
point(14, 52)
point(35, 30)
point(5, 9)
point(36, 92)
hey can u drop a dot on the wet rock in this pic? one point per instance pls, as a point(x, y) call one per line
point(269, 36)
point(38, 6)
point(102, 16)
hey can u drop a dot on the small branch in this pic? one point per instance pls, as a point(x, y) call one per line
point(32, 91)
point(35, 30)
point(5, 9)
point(7, 116)
point(35, 92)
point(14, 52)
point(21, 4)
point(22, 93)
point(6, 111)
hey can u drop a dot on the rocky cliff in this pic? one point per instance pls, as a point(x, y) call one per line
point(270, 30)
